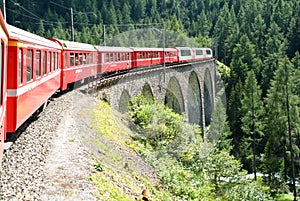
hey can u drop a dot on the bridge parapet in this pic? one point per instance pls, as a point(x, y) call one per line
point(188, 89)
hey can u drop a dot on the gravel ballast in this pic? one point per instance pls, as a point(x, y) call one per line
point(49, 161)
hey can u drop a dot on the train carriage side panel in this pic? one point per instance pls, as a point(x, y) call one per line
point(3, 83)
point(114, 59)
point(33, 74)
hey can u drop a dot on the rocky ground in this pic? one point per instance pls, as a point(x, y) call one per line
point(52, 158)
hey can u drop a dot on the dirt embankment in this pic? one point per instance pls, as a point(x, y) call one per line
point(90, 158)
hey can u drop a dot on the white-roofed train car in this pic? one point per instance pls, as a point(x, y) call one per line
point(79, 61)
point(114, 59)
point(33, 74)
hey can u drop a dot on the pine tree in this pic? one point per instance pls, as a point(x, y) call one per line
point(252, 115)
point(282, 120)
point(274, 51)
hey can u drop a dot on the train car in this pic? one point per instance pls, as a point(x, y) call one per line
point(199, 54)
point(33, 74)
point(79, 61)
point(184, 54)
point(208, 53)
point(3, 81)
point(146, 56)
point(113, 59)
point(171, 55)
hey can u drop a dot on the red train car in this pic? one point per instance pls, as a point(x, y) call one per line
point(114, 59)
point(147, 56)
point(33, 74)
point(171, 55)
point(79, 61)
point(3, 80)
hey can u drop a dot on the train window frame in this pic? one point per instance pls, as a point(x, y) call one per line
point(199, 51)
point(49, 62)
point(76, 59)
point(84, 58)
point(29, 65)
point(185, 52)
point(52, 66)
point(57, 60)
point(72, 59)
point(65, 58)
point(107, 57)
point(38, 71)
point(80, 58)
point(91, 58)
point(44, 63)
point(20, 66)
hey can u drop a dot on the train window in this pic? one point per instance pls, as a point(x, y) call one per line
point(72, 59)
point(111, 57)
point(115, 57)
point(84, 58)
point(49, 62)
point(29, 71)
point(91, 58)
point(76, 59)
point(119, 57)
point(58, 60)
point(65, 59)
point(52, 61)
point(199, 52)
point(185, 53)
point(38, 64)
point(208, 51)
point(20, 67)
point(45, 63)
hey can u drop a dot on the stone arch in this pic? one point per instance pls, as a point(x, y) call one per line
point(174, 98)
point(147, 92)
point(124, 101)
point(208, 97)
point(194, 99)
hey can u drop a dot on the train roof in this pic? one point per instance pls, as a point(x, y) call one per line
point(18, 34)
point(113, 49)
point(183, 48)
point(147, 49)
point(71, 45)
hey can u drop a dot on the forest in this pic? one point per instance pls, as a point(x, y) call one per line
point(259, 41)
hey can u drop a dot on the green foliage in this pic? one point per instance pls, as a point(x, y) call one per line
point(188, 167)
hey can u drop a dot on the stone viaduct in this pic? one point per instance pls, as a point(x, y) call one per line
point(188, 89)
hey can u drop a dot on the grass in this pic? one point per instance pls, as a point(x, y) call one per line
point(119, 178)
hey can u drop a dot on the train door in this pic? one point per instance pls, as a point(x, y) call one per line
point(3, 97)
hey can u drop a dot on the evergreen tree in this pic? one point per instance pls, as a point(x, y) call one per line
point(282, 121)
point(274, 51)
point(252, 116)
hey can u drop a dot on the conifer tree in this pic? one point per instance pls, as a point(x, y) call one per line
point(282, 121)
point(252, 115)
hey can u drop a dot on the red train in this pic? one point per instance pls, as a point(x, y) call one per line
point(33, 68)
